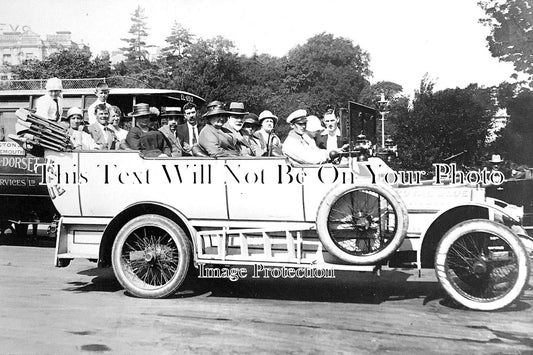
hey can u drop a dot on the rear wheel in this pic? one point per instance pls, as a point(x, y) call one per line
point(362, 224)
point(482, 265)
point(151, 256)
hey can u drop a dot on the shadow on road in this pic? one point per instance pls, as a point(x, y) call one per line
point(29, 241)
point(346, 287)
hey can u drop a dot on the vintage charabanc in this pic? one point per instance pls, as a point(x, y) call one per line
point(156, 219)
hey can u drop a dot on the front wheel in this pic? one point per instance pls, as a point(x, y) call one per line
point(151, 256)
point(482, 265)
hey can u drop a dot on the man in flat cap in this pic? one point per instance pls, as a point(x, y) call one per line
point(298, 146)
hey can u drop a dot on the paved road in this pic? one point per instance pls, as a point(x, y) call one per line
point(80, 309)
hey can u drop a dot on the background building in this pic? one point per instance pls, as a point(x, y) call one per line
point(18, 46)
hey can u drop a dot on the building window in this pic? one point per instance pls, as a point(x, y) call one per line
point(6, 59)
point(3, 77)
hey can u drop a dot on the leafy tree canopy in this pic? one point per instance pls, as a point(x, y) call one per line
point(68, 63)
point(511, 25)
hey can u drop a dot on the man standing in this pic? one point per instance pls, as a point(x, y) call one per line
point(102, 93)
point(104, 136)
point(50, 106)
point(169, 129)
point(188, 132)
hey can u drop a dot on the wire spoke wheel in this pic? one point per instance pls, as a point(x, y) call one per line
point(362, 224)
point(482, 264)
point(150, 256)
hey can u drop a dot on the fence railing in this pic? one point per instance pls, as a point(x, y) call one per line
point(39, 84)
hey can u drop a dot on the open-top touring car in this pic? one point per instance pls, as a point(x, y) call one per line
point(154, 219)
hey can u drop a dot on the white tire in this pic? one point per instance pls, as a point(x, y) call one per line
point(482, 265)
point(362, 224)
point(151, 256)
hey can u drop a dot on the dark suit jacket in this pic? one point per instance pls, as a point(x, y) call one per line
point(183, 132)
point(175, 145)
point(322, 141)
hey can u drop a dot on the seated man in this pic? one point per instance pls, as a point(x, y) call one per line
point(100, 131)
point(216, 140)
point(169, 129)
point(298, 146)
point(330, 138)
point(234, 125)
point(189, 131)
point(269, 140)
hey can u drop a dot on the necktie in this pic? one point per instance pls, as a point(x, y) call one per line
point(57, 110)
point(194, 139)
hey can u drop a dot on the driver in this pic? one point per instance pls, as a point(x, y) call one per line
point(298, 145)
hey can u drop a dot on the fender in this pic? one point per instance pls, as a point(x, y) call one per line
point(137, 209)
point(492, 213)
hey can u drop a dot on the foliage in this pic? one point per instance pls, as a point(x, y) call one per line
point(442, 124)
point(514, 141)
point(67, 63)
point(136, 50)
point(511, 25)
point(179, 40)
point(330, 70)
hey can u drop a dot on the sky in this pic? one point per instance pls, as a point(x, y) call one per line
point(405, 38)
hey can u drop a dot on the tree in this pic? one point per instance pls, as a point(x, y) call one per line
point(179, 40)
point(514, 141)
point(330, 70)
point(442, 124)
point(511, 25)
point(67, 63)
point(136, 51)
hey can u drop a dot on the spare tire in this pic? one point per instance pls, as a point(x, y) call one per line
point(362, 224)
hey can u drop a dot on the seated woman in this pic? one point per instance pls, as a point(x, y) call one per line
point(215, 139)
point(115, 119)
point(79, 139)
point(253, 144)
point(270, 142)
point(145, 136)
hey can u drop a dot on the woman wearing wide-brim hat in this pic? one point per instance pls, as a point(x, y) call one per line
point(249, 127)
point(143, 137)
point(215, 139)
point(270, 142)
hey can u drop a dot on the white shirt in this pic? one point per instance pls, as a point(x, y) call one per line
point(302, 149)
point(46, 107)
point(191, 129)
point(119, 132)
point(331, 143)
point(90, 110)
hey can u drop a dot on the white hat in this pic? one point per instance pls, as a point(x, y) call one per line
point(53, 84)
point(314, 124)
point(496, 158)
point(296, 115)
point(267, 114)
point(74, 111)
